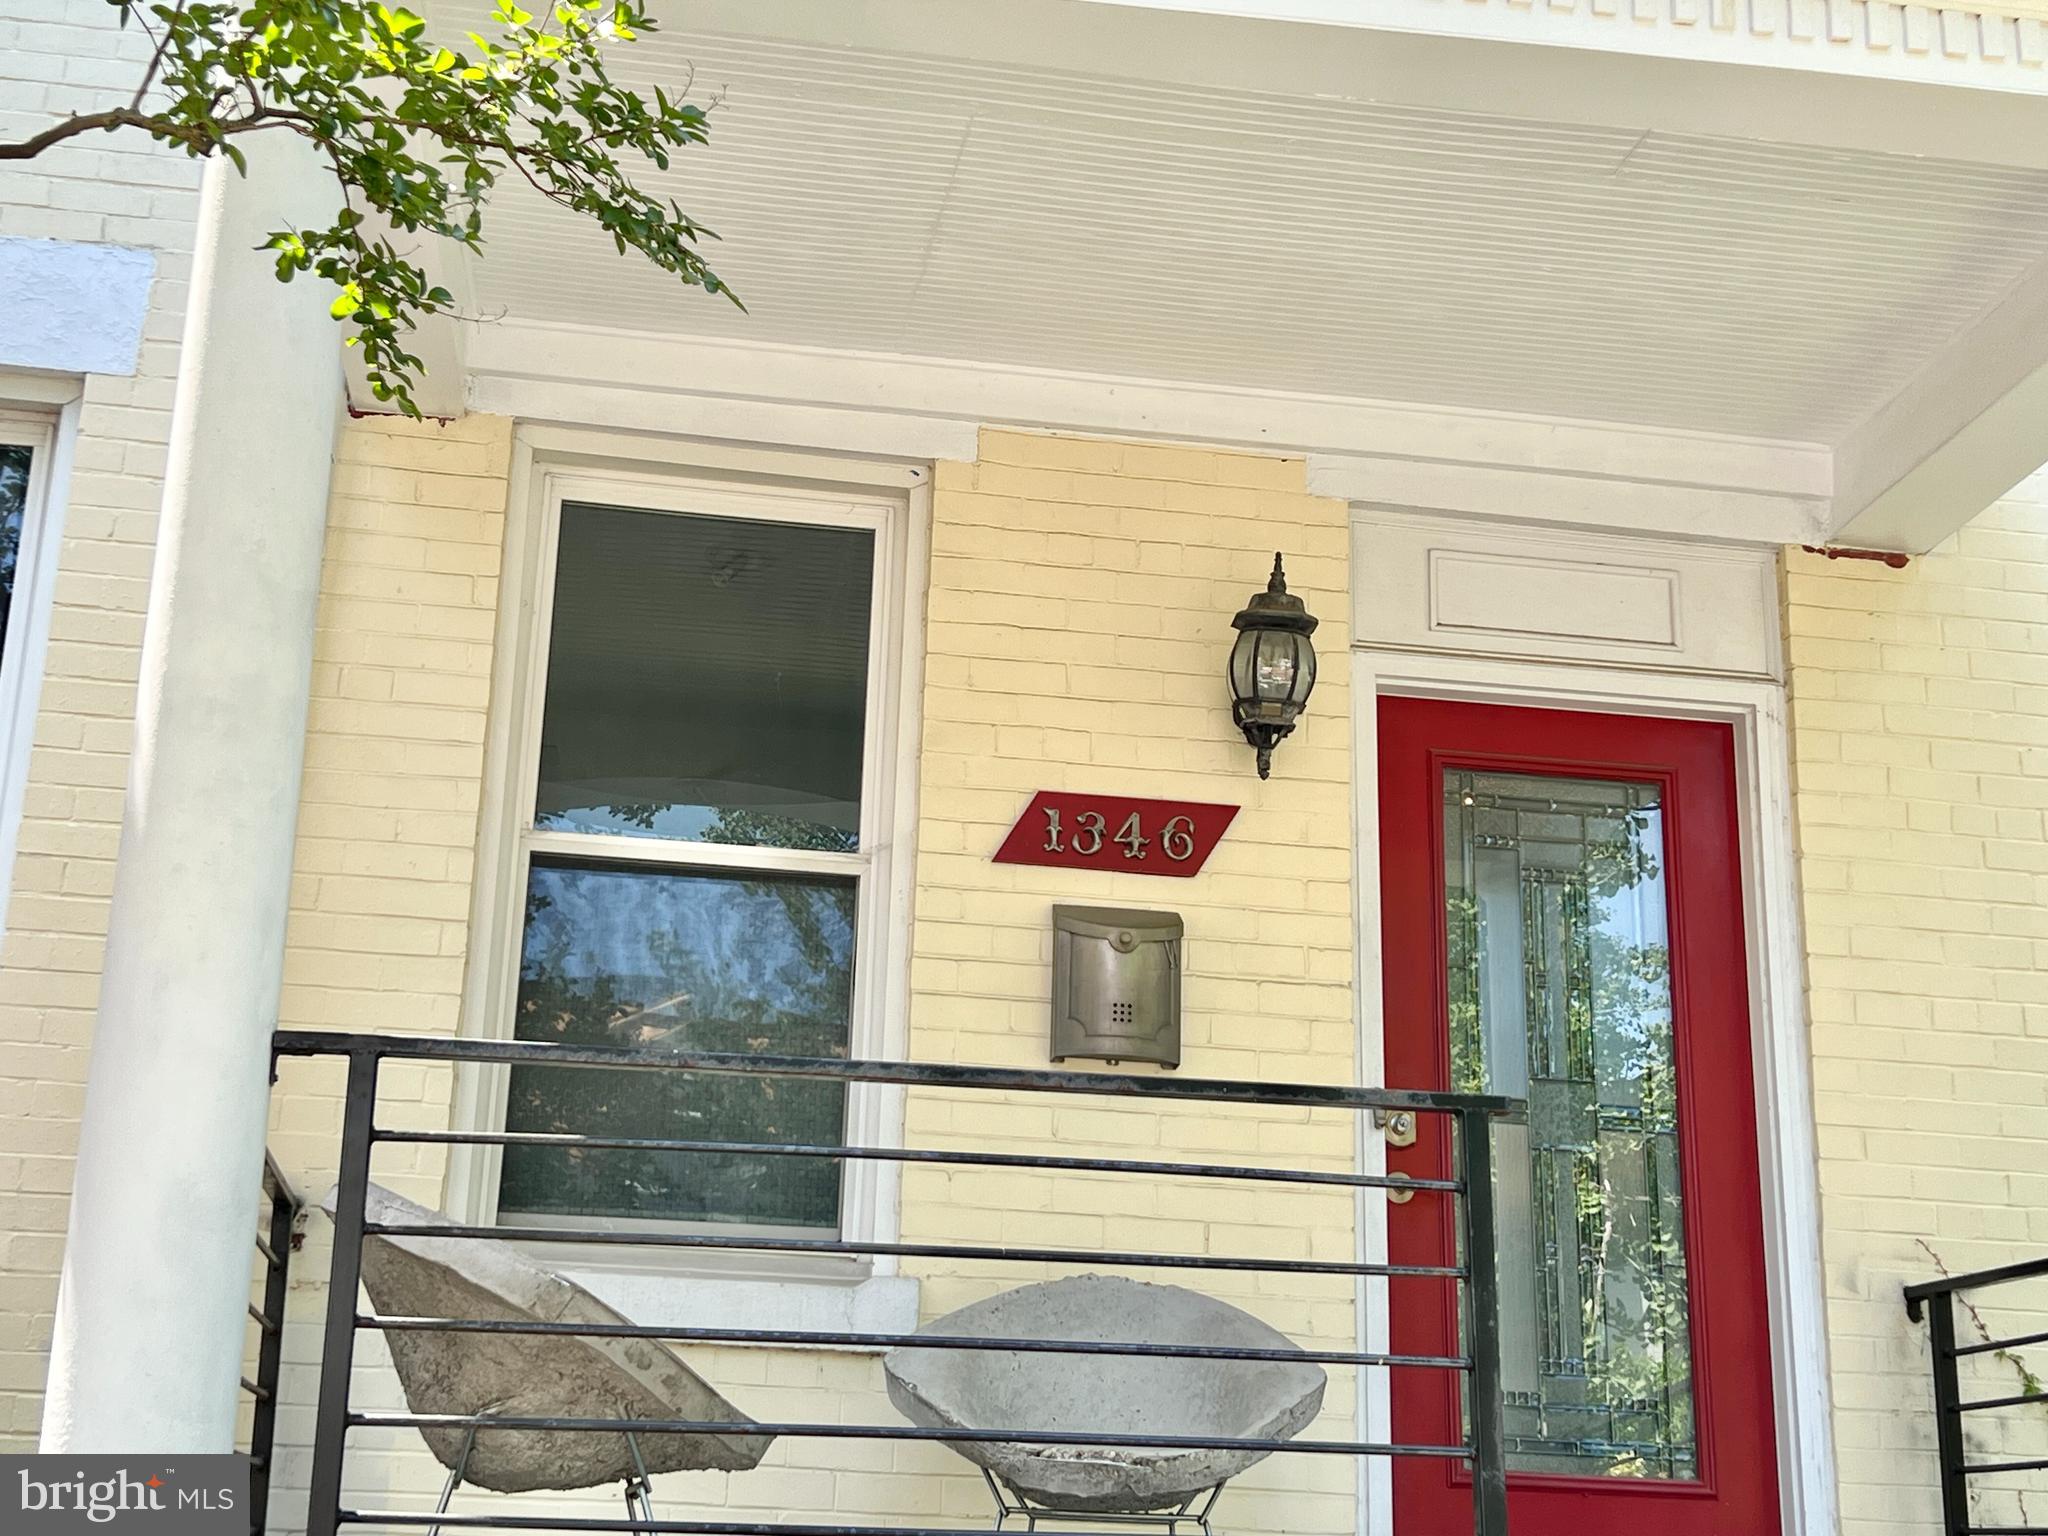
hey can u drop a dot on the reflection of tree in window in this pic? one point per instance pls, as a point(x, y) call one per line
point(682, 962)
point(1560, 992)
point(14, 462)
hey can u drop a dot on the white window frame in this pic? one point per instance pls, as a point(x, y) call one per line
point(555, 466)
point(46, 430)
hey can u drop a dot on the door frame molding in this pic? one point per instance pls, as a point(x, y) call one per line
point(1777, 990)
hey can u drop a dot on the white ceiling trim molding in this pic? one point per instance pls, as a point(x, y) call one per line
point(1616, 65)
point(1472, 463)
point(1995, 44)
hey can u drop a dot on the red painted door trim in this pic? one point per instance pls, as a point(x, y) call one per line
point(1737, 1493)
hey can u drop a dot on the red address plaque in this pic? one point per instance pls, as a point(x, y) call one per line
point(1139, 837)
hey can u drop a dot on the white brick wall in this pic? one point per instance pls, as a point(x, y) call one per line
point(56, 57)
point(1920, 736)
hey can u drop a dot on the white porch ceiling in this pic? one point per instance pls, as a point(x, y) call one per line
point(905, 203)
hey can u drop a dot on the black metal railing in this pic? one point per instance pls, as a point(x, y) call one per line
point(279, 1213)
point(1481, 1446)
point(1935, 1301)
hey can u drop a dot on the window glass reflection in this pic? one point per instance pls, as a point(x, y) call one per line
point(707, 679)
point(14, 465)
point(665, 961)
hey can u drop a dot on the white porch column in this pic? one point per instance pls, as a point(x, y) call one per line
point(150, 1316)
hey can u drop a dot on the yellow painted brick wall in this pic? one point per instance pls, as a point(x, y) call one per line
point(1078, 628)
point(1920, 737)
point(379, 930)
point(1078, 623)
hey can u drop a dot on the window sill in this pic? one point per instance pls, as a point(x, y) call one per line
point(835, 1297)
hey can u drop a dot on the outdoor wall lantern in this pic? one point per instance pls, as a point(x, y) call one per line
point(1272, 666)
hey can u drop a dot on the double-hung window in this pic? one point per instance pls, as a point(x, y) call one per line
point(708, 807)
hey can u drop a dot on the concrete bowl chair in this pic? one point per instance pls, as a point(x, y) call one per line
point(533, 1375)
point(1164, 1395)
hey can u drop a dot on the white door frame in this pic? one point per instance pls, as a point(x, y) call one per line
point(1784, 1086)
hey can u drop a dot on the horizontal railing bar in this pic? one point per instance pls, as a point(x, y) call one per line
point(267, 1324)
point(2015, 1401)
point(566, 1141)
point(824, 1340)
point(307, 1042)
point(270, 1259)
point(763, 1244)
point(666, 1527)
point(259, 1393)
point(2007, 1466)
point(676, 1527)
point(945, 1436)
point(2028, 1269)
point(910, 1156)
point(1990, 1346)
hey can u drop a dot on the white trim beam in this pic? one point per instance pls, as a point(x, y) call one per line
point(1474, 463)
point(1971, 425)
point(440, 342)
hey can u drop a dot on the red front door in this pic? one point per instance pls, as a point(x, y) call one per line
point(1562, 917)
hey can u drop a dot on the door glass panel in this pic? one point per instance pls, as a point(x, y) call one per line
point(1560, 993)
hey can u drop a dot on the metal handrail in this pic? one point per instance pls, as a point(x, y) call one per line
point(1471, 1116)
point(1949, 1407)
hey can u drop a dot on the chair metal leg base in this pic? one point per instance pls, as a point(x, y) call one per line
point(454, 1478)
point(638, 1489)
point(1193, 1512)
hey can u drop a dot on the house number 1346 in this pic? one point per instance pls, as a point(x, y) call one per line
point(1176, 837)
point(1080, 829)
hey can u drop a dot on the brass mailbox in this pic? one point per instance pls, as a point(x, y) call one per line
point(1116, 985)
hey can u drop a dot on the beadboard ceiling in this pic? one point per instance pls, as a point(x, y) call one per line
point(891, 202)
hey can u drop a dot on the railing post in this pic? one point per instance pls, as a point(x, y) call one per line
point(338, 1346)
point(1482, 1326)
point(270, 1351)
point(1948, 1416)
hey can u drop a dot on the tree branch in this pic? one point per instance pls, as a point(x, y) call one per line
point(88, 122)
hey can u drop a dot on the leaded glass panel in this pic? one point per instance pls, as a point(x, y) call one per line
point(1560, 993)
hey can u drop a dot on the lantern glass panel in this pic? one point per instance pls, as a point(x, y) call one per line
point(1305, 669)
point(1275, 667)
point(1242, 685)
